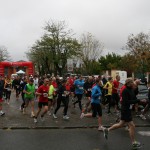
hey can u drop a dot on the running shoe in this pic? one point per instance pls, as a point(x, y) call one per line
point(100, 128)
point(105, 133)
point(35, 120)
point(65, 117)
point(42, 118)
point(142, 117)
point(82, 116)
point(32, 114)
point(136, 145)
point(54, 116)
point(2, 114)
point(23, 111)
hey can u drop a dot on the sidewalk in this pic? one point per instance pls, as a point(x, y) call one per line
point(14, 119)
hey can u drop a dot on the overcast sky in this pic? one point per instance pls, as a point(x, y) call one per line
point(110, 21)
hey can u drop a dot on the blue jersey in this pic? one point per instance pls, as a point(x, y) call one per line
point(96, 94)
point(79, 86)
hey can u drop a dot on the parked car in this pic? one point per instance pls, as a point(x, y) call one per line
point(143, 91)
point(143, 94)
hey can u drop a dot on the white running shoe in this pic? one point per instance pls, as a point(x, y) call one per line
point(35, 120)
point(65, 117)
point(24, 111)
point(54, 116)
point(42, 118)
point(2, 114)
point(82, 116)
point(101, 128)
point(32, 114)
point(142, 117)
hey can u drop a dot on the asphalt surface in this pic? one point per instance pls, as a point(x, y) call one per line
point(14, 119)
point(70, 139)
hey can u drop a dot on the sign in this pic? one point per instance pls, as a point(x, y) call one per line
point(70, 65)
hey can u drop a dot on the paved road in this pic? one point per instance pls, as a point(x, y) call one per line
point(69, 139)
point(15, 119)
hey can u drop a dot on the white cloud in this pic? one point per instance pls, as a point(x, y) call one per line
point(110, 21)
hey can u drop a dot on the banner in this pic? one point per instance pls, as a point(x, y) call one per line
point(70, 65)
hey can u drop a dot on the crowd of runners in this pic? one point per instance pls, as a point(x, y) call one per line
point(52, 92)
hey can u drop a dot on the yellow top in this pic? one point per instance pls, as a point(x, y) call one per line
point(108, 86)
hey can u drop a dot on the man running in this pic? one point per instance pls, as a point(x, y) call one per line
point(42, 92)
point(96, 104)
point(29, 91)
point(128, 98)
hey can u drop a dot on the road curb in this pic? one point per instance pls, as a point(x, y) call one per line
point(62, 127)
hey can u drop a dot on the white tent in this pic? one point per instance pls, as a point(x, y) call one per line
point(20, 72)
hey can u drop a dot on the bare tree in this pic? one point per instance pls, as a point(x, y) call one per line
point(91, 51)
point(4, 54)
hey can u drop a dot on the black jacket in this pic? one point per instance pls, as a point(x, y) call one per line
point(128, 98)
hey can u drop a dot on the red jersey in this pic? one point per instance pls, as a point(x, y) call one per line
point(68, 87)
point(44, 91)
point(54, 83)
point(71, 81)
point(116, 86)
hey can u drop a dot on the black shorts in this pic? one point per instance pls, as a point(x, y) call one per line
point(126, 116)
point(50, 100)
point(72, 89)
point(40, 104)
point(88, 94)
point(115, 98)
point(96, 109)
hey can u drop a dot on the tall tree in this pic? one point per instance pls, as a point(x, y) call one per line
point(139, 46)
point(55, 47)
point(110, 61)
point(90, 52)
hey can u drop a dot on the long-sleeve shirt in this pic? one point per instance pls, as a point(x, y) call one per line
point(128, 98)
point(96, 93)
point(79, 86)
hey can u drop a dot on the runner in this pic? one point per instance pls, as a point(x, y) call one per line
point(51, 95)
point(1, 96)
point(63, 96)
point(22, 85)
point(115, 95)
point(29, 91)
point(79, 90)
point(128, 98)
point(108, 86)
point(7, 88)
point(42, 92)
point(87, 90)
point(96, 104)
